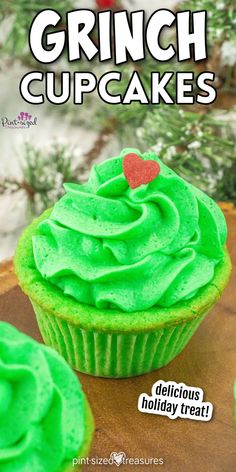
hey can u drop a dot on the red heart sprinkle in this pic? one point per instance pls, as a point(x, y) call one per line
point(137, 171)
point(103, 4)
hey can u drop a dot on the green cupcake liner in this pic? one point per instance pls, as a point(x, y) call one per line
point(107, 354)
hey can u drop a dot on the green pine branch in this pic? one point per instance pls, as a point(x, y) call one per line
point(20, 14)
point(200, 147)
point(221, 23)
point(44, 172)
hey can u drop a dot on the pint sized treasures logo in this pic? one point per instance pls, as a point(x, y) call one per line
point(23, 121)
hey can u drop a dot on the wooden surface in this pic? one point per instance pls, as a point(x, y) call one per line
point(7, 277)
point(209, 362)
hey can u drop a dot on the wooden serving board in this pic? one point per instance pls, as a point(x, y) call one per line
point(209, 362)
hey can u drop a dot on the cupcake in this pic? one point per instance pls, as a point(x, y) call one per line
point(45, 420)
point(124, 268)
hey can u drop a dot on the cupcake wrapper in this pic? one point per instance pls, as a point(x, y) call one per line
point(106, 354)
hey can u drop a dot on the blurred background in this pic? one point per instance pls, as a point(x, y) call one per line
point(198, 142)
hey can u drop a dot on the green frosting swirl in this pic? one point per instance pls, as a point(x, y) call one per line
point(108, 245)
point(41, 406)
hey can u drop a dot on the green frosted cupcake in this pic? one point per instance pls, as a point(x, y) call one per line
point(124, 268)
point(45, 420)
